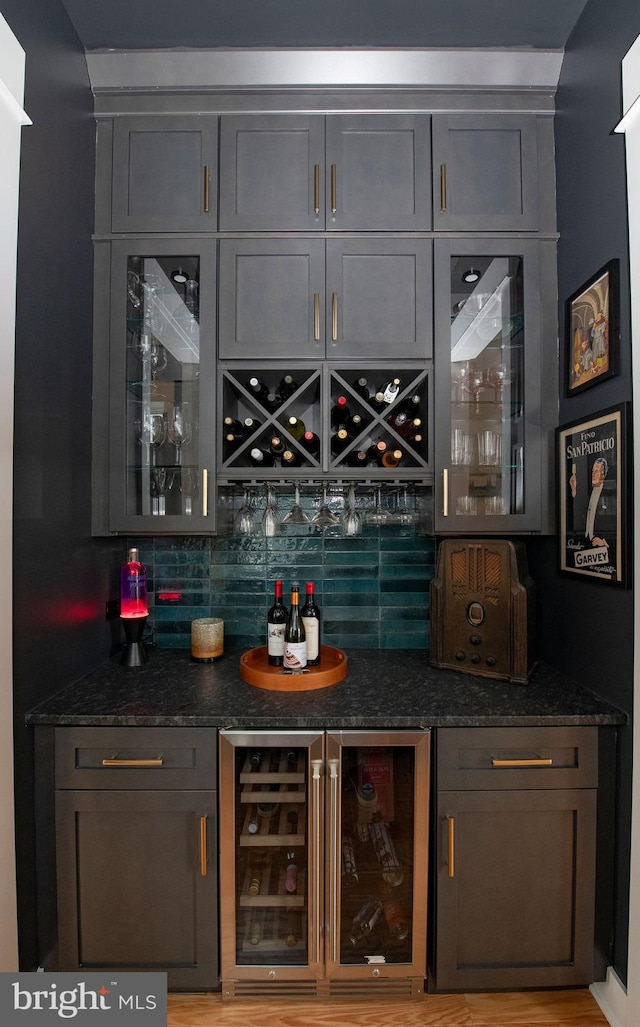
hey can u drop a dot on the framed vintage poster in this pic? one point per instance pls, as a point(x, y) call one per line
point(592, 326)
point(592, 483)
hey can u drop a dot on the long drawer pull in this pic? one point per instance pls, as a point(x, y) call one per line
point(316, 188)
point(117, 761)
point(538, 761)
point(451, 839)
point(203, 846)
point(206, 189)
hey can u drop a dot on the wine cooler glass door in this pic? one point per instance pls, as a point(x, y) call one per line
point(377, 831)
point(271, 852)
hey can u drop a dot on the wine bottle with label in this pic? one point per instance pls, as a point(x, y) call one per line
point(295, 639)
point(276, 623)
point(390, 390)
point(310, 616)
point(391, 458)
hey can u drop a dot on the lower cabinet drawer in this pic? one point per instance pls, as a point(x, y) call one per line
point(136, 757)
point(519, 757)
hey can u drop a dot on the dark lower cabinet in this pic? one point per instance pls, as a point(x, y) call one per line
point(137, 866)
point(514, 858)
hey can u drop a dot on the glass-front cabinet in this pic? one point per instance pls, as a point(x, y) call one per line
point(488, 364)
point(323, 859)
point(162, 386)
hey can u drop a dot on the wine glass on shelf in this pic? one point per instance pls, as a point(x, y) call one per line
point(498, 376)
point(158, 487)
point(474, 383)
point(152, 433)
point(296, 514)
point(180, 431)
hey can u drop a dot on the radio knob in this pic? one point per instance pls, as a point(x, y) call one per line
point(475, 657)
point(460, 655)
point(475, 639)
point(491, 661)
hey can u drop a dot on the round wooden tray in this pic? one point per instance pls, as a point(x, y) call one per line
point(255, 670)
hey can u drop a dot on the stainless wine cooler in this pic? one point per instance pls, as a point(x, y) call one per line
point(323, 861)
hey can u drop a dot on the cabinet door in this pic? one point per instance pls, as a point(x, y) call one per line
point(165, 174)
point(137, 883)
point(489, 370)
point(514, 876)
point(162, 387)
point(378, 172)
point(485, 172)
point(271, 294)
point(271, 172)
point(378, 299)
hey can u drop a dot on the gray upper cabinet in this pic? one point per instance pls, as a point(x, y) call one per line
point(378, 299)
point(292, 172)
point(277, 300)
point(485, 172)
point(165, 173)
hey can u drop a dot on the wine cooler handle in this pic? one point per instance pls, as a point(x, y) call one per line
point(316, 188)
point(537, 761)
point(117, 761)
point(205, 492)
point(334, 831)
point(445, 492)
point(316, 768)
point(451, 841)
point(203, 846)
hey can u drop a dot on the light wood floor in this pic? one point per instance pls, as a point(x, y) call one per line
point(514, 1009)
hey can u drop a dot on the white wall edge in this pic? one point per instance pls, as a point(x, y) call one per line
point(12, 63)
point(229, 68)
point(611, 996)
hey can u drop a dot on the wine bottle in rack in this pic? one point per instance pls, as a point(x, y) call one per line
point(376, 449)
point(339, 441)
point(354, 424)
point(295, 640)
point(233, 425)
point(295, 427)
point(339, 411)
point(378, 401)
point(230, 443)
point(276, 445)
point(357, 458)
point(292, 759)
point(255, 927)
point(276, 622)
point(287, 387)
point(258, 389)
point(291, 459)
point(292, 821)
point(249, 425)
point(391, 458)
point(390, 390)
point(272, 401)
point(398, 421)
point(260, 458)
point(291, 873)
point(361, 387)
point(310, 441)
point(310, 616)
point(259, 872)
point(411, 405)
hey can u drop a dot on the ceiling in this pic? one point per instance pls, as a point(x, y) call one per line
point(203, 24)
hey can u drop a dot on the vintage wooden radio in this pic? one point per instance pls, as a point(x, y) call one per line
point(483, 609)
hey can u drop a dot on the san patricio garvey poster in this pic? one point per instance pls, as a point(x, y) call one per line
point(590, 497)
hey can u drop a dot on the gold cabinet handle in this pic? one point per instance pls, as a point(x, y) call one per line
point(443, 188)
point(205, 492)
point(316, 188)
point(316, 900)
point(445, 492)
point(538, 761)
point(451, 839)
point(203, 846)
point(334, 189)
point(206, 189)
point(117, 761)
point(334, 317)
point(316, 316)
point(334, 828)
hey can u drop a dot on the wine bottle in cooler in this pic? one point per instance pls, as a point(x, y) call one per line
point(276, 623)
point(291, 873)
point(310, 616)
point(295, 639)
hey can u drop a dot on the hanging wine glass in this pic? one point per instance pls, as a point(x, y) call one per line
point(352, 519)
point(402, 513)
point(377, 514)
point(296, 514)
point(324, 517)
point(245, 522)
point(180, 431)
point(270, 517)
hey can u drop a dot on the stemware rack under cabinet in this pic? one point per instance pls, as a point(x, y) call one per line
point(312, 402)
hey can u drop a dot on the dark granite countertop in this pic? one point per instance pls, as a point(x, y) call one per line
point(383, 688)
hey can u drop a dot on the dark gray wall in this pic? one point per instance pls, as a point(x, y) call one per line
point(589, 628)
point(61, 575)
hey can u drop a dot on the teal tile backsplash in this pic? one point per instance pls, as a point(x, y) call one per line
point(373, 589)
